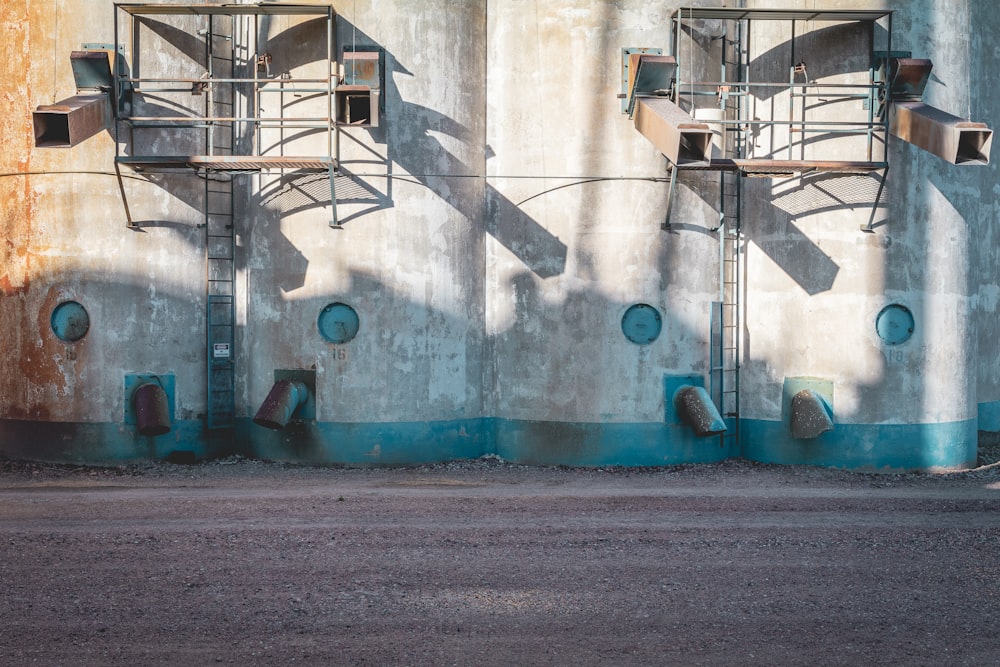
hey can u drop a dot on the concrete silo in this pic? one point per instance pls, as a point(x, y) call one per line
point(360, 232)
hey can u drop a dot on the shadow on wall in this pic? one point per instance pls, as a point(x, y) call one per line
point(418, 397)
point(774, 65)
point(407, 131)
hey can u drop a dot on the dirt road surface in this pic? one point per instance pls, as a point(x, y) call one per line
point(487, 563)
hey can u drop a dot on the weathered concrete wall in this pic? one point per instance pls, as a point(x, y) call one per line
point(66, 240)
point(981, 201)
point(815, 285)
point(495, 229)
point(586, 243)
point(409, 258)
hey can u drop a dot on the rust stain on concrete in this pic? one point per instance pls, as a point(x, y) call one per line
point(20, 397)
point(16, 136)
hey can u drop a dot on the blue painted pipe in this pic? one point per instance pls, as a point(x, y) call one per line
point(281, 403)
point(152, 410)
point(695, 408)
point(810, 415)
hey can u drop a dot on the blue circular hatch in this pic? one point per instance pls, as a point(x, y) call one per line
point(894, 324)
point(338, 323)
point(70, 321)
point(642, 324)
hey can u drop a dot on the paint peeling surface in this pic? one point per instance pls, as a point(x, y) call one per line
point(492, 232)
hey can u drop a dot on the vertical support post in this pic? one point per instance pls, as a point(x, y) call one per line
point(670, 198)
point(255, 149)
point(234, 128)
point(872, 91)
point(870, 227)
point(744, 112)
point(121, 189)
point(791, 90)
point(334, 222)
point(135, 47)
point(330, 76)
point(885, 119)
point(116, 93)
point(209, 107)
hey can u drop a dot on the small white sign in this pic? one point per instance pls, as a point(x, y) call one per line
point(220, 350)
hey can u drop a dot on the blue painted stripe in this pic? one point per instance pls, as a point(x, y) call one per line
point(989, 416)
point(865, 446)
point(74, 442)
point(403, 443)
point(855, 446)
point(520, 441)
point(393, 443)
point(604, 444)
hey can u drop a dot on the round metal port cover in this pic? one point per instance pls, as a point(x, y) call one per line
point(338, 323)
point(70, 321)
point(642, 324)
point(894, 324)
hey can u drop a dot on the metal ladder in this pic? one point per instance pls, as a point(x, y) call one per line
point(220, 235)
point(726, 316)
point(730, 283)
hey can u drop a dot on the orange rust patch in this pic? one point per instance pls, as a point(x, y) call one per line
point(7, 288)
point(16, 137)
point(41, 364)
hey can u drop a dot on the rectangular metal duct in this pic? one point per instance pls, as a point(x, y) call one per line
point(70, 121)
point(357, 105)
point(682, 140)
point(949, 137)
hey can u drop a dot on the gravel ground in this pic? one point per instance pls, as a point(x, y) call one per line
point(489, 563)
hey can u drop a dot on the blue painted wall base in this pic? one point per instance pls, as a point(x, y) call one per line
point(854, 446)
point(603, 444)
point(888, 447)
point(87, 443)
point(405, 443)
point(989, 416)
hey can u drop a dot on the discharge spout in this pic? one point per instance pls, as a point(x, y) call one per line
point(695, 408)
point(683, 140)
point(281, 403)
point(949, 137)
point(152, 409)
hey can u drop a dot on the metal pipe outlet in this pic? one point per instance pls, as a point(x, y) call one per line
point(285, 397)
point(695, 408)
point(152, 409)
point(810, 415)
